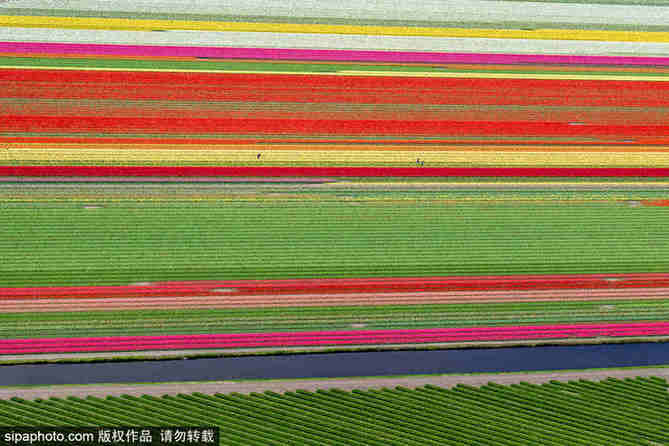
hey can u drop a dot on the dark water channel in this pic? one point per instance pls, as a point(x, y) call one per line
point(325, 365)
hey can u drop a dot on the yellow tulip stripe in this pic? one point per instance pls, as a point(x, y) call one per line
point(190, 25)
point(474, 75)
point(334, 157)
point(442, 74)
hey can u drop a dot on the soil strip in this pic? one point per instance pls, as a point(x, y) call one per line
point(245, 387)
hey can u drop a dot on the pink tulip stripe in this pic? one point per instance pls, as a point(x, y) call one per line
point(65, 49)
point(323, 338)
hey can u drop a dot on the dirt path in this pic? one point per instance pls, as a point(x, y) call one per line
point(328, 383)
point(310, 300)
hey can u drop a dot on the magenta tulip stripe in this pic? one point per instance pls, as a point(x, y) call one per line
point(323, 55)
point(331, 338)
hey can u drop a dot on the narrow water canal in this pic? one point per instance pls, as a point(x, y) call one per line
point(325, 365)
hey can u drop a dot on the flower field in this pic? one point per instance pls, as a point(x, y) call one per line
point(331, 157)
point(622, 412)
point(344, 112)
point(265, 177)
point(285, 313)
point(107, 289)
point(175, 316)
point(309, 171)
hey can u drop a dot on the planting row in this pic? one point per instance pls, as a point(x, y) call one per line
point(331, 338)
point(145, 318)
point(307, 156)
point(626, 412)
point(251, 171)
point(349, 68)
point(137, 192)
point(234, 288)
point(282, 54)
point(312, 104)
point(333, 89)
point(259, 126)
point(121, 244)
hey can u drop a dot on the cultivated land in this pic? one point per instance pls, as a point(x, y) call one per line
point(349, 156)
point(350, 68)
point(114, 109)
point(352, 42)
point(198, 231)
point(329, 118)
point(102, 237)
point(612, 411)
point(579, 13)
point(152, 316)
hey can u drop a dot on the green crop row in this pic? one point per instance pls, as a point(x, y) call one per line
point(73, 194)
point(45, 244)
point(284, 67)
point(628, 412)
point(245, 320)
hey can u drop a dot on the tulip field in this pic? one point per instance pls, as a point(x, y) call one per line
point(613, 411)
point(213, 180)
point(76, 319)
point(312, 98)
point(141, 266)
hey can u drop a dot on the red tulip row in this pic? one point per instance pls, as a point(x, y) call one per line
point(356, 285)
point(200, 171)
point(348, 127)
point(263, 87)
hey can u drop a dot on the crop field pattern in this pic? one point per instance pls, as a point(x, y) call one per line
point(264, 177)
point(137, 241)
point(621, 412)
point(166, 173)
